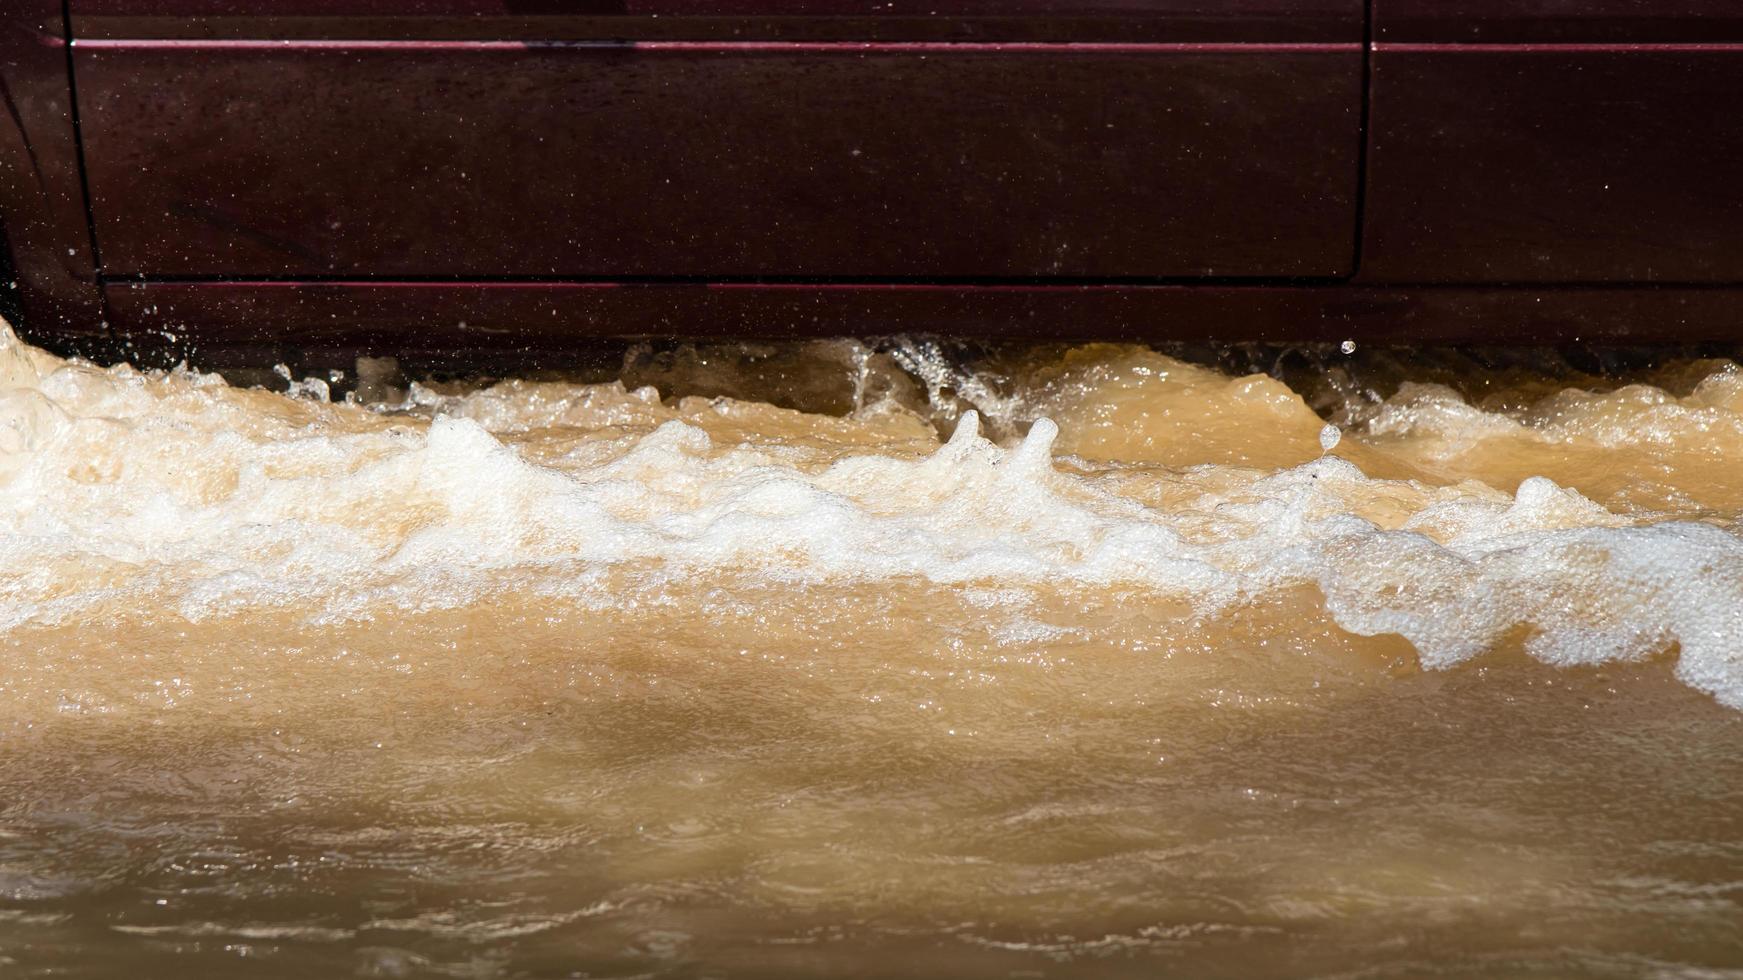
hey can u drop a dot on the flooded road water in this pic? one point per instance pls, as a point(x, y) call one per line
point(876, 660)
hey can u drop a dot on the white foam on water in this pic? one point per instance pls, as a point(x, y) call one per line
point(180, 493)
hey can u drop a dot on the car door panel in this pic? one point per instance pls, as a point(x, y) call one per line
point(609, 158)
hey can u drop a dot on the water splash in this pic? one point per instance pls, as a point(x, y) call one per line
point(179, 491)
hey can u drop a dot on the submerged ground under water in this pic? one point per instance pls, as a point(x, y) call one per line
point(888, 659)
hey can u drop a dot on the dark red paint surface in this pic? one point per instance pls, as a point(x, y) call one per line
point(190, 319)
point(42, 204)
point(1127, 21)
point(710, 160)
point(1555, 164)
point(1521, 170)
point(1558, 21)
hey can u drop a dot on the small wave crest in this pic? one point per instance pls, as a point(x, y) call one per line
point(1601, 525)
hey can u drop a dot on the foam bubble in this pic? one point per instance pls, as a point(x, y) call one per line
point(181, 493)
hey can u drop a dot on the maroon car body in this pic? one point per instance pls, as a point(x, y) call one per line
point(404, 175)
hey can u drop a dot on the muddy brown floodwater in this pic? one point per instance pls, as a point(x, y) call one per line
point(883, 659)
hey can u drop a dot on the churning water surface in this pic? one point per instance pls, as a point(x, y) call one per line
point(876, 659)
